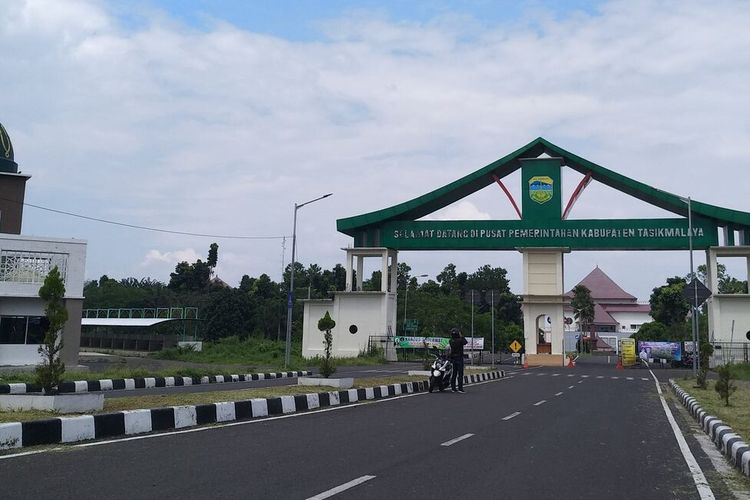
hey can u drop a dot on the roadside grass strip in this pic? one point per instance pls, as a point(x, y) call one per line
point(726, 440)
point(129, 384)
point(141, 421)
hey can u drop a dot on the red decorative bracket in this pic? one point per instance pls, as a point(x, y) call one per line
point(581, 186)
point(507, 193)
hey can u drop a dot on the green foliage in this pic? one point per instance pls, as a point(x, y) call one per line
point(213, 255)
point(668, 305)
point(49, 374)
point(741, 371)
point(583, 307)
point(235, 350)
point(327, 364)
point(725, 386)
point(727, 283)
point(706, 350)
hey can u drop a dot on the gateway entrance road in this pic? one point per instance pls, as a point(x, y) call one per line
point(541, 433)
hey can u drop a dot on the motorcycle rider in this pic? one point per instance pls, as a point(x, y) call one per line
point(457, 343)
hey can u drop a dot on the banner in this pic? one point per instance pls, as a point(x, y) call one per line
point(474, 343)
point(671, 351)
point(627, 348)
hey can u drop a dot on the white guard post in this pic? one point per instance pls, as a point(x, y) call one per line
point(358, 314)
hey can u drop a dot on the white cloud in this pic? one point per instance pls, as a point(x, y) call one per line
point(173, 258)
point(221, 131)
point(462, 210)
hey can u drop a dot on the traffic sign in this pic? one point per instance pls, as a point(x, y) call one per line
point(696, 289)
point(515, 346)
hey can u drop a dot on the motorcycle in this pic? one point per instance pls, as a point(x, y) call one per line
point(440, 373)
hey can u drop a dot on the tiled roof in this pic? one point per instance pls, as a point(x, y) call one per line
point(603, 288)
point(601, 317)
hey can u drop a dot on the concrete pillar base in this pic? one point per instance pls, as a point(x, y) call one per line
point(545, 359)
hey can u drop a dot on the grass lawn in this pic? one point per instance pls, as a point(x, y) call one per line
point(736, 415)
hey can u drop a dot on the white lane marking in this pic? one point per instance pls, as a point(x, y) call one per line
point(540, 374)
point(571, 375)
point(343, 487)
point(512, 415)
point(571, 386)
point(629, 378)
point(584, 376)
point(614, 378)
point(600, 376)
point(540, 402)
point(580, 381)
point(644, 378)
point(527, 373)
point(558, 394)
point(456, 440)
point(555, 374)
point(704, 490)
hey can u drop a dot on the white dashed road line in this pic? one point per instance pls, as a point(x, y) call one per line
point(343, 487)
point(540, 402)
point(555, 374)
point(571, 386)
point(558, 394)
point(512, 415)
point(456, 440)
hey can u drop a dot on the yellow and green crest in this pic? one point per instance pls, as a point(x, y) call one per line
point(541, 188)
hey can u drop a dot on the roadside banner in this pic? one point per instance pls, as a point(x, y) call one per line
point(671, 351)
point(474, 343)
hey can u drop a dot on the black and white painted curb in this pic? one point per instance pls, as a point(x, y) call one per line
point(126, 423)
point(729, 442)
point(129, 384)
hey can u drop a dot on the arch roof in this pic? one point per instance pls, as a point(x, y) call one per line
point(450, 193)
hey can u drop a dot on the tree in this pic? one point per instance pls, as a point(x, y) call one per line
point(727, 284)
point(213, 256)
point(583, 307)
point(191, 277)
point(668, 305)
point(52, 292)
point(326, 324)
point(724, 386)
point(652, 331)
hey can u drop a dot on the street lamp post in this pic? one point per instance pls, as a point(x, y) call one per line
point(694, 305)
point(290, 293)
point(406, 298)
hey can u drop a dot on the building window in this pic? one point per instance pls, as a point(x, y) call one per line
point(634, 327)
point(22, 329)
point(30, 267)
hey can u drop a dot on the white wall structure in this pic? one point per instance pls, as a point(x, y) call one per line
point(542, 299)
point(25, 262)
point(358, 314)
point(723, 309)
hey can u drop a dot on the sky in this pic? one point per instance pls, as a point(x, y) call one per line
point(216, 117)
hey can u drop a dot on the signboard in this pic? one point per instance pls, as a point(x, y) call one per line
point(475, 343)
point(617, 234)
point(670, 351)
point(627, 348)
point(696, 288)
point(411, 325)
point(515, 346)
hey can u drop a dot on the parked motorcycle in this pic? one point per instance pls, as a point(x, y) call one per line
point(440, 373)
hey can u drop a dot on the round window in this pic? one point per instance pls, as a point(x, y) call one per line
point(353, 329)
point(748, 335)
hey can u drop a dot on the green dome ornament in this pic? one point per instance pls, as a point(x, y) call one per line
point(7, 161)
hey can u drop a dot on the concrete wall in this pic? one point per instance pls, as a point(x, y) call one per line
point(22, 299)
point(630, 318)
point(369, 312)
point(725, 309)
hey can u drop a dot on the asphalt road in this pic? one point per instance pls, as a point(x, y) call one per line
point(540, 434)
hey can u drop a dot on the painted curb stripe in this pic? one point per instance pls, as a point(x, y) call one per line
point(726, 440)
point(144, 383)
point(125, 423)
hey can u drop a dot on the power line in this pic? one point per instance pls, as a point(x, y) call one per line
point(146, 228)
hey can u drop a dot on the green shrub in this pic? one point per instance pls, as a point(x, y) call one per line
point(724, 386)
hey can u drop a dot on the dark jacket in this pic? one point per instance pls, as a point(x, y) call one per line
point(457, 348)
